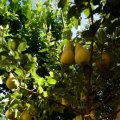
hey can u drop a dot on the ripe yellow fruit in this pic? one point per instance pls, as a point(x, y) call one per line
point(11, 82)
point(77, 46)
point(64, 102)
point(104, 62)
point(67, 56)
point(106, 57)
point(82, 96)
point(25, 115)
point(69, 45)
point(118, 114)
point(82, 55)
point(10, 114)
point(78, 117)
point(92, 115)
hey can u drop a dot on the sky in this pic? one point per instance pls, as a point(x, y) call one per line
point(83, 20)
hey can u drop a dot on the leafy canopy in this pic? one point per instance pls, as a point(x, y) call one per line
point(32, 37)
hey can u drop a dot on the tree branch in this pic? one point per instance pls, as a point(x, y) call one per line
point(28, 90)
point(88, 85)
point(55, 101)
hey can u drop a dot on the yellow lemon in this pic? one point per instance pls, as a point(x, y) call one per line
point(25, 115)
point(82, 55)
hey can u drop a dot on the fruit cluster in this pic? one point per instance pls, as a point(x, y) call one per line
point(81, 56)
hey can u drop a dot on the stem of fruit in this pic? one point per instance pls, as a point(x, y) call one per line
point(88, 78)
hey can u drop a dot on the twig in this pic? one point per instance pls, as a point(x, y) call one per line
point(28, 90)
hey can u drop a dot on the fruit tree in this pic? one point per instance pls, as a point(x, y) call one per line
point(50, 72)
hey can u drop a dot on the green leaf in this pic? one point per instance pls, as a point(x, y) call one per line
point(22, 46)
point(86, 12)
point(43, 50)
point(40, 89)
point(11, 45)
point(75, 22)
point(51, 74)
point(39, 80)
point(15, 1)
point(1, 82)
point(16, 95)
point(51, 81)
point(19, 71)
point(101, 36)
point(14, 103)
point(45, 94)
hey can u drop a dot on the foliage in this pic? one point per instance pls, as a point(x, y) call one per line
point(31, 42)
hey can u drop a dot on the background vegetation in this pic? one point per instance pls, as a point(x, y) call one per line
point(31, 42)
